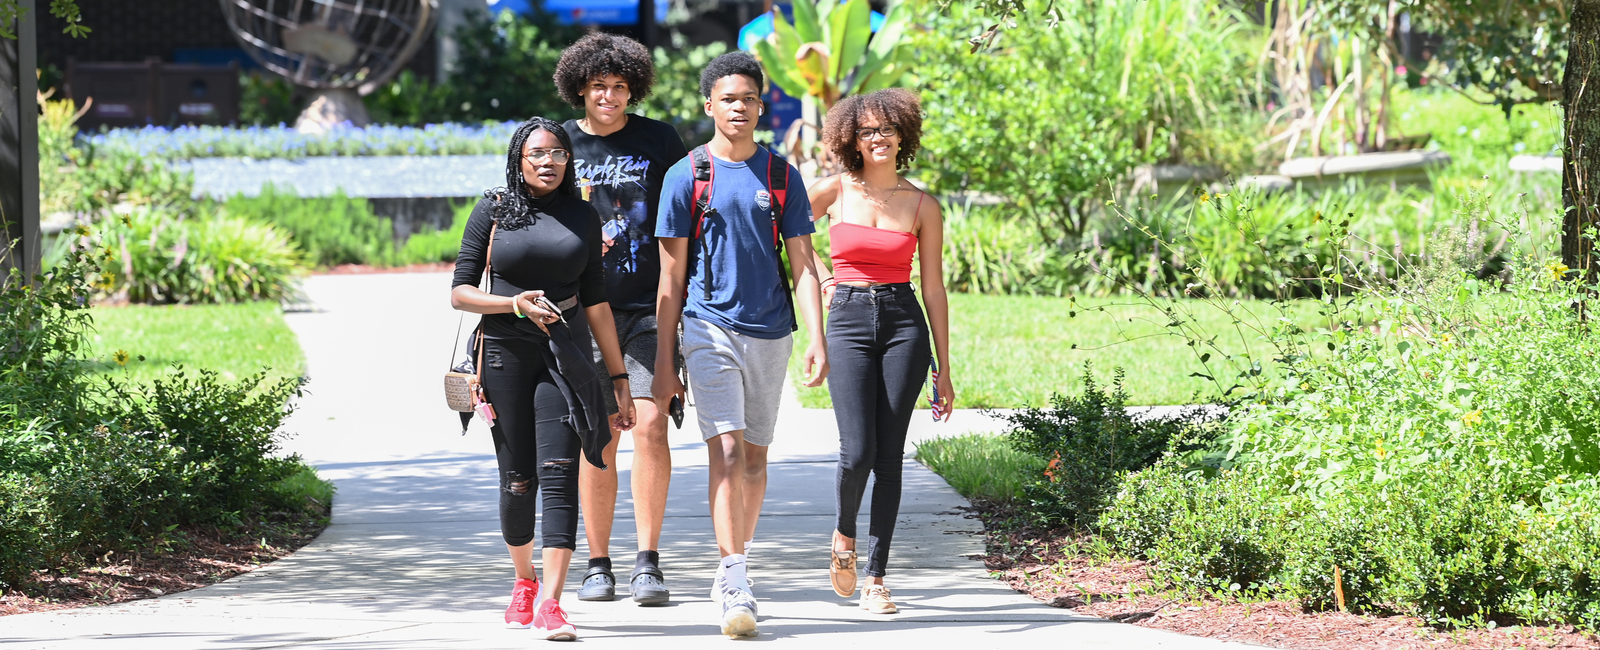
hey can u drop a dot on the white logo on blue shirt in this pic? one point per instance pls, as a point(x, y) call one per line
point(763, 200)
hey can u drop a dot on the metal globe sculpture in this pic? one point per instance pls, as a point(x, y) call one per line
point(342, 49)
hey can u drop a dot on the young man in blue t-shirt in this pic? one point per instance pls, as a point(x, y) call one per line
point(723, 281)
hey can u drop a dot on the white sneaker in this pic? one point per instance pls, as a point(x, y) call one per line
point(719, 584)
point(739, 613)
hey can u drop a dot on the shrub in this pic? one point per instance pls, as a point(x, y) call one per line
point(1087, 442)
point(329, 230)
point(224, 435)
point(168, 257)
point(676, 98)
point(110, 176)
point(438, 245)
point(1432, 435)
point(87, 468)
point(504, 66)
point(267, 99)
point(1110, 86)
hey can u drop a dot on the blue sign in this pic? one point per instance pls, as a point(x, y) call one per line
point(585, 12)
point(782, 112)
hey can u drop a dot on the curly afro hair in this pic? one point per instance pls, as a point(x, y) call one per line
point(599, 54)
point(896, 106)
point(728, 65)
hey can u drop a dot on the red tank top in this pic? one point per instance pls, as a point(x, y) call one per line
point(868, 254)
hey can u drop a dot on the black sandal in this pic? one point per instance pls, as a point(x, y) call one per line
point(598, 584)
point(649, 587)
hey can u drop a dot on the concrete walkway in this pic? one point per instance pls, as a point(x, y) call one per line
point(414, 559)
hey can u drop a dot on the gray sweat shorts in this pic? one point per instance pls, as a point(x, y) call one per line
point(737, 380)
point(636, 332)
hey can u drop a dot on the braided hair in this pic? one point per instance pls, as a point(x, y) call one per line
point(513, 200)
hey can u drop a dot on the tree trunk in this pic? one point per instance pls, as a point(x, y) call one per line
point(1580, 179)
point(19, 146)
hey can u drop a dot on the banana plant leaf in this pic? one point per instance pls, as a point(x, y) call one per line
point(782, 70)
point(812, 62)
point(882, 50)
point(805, 21)
point(789, 39)
point(848, 33)
point(823, 9)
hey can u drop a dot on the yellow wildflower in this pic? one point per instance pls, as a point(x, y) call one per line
point(121, 357)
point(1557, 270)
point(1473, 419)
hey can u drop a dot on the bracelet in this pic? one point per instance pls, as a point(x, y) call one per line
point(517, 308)
point(619, 376)
point(829, 282)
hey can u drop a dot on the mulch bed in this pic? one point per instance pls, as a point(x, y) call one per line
point(360, 269)
point(1033, 562)
point(181, 560)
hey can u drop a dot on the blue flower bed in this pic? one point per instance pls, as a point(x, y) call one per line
point(186, 142)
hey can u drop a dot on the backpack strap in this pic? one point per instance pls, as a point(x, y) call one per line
point(705, 173)
point(778, 189)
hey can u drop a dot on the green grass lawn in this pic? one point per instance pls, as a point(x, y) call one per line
point(1014, 351)
point(235, 340)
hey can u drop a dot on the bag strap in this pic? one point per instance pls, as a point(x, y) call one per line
point(778, 189)
point(487, 279)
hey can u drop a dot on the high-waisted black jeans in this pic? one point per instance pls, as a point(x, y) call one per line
point(878, 351)
point(537, 449)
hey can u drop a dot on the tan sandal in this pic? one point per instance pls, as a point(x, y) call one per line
point(875, 599)
point(843, 572)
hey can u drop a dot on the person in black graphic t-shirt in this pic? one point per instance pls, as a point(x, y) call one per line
point(619, 160)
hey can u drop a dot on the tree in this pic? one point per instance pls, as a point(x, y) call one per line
point(66, 10)
point(1581, 106)
point(1045, 116)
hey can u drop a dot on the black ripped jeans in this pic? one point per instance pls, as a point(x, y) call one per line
point(878, 352)
point(537, 449)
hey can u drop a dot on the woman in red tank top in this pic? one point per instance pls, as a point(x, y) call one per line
point(878, 336)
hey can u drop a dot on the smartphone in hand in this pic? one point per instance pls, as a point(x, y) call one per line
point(675, 409)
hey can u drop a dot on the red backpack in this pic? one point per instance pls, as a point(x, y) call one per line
point(777, 187)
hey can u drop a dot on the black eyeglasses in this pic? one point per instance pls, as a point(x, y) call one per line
point(557, 156)
point(887, 131)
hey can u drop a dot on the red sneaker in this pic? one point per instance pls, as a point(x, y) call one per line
point(552, 622)
point(523, 596)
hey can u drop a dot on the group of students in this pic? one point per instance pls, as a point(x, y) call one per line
point(674, 257)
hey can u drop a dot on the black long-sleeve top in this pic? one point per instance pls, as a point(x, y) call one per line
point(559, 254)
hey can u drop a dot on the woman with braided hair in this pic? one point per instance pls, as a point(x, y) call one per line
point(542, 246)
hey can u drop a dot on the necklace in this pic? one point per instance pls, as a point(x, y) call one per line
point(867, 190)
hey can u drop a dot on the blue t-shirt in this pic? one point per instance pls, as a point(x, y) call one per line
point(747, 294)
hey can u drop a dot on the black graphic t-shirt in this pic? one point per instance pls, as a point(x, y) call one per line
point(620, 175)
